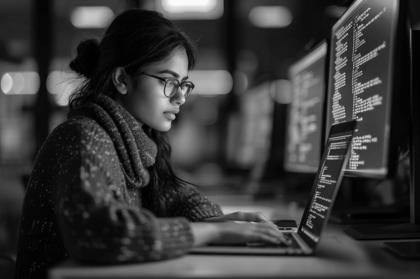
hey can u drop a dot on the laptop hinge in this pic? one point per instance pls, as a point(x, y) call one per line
point(305, 247)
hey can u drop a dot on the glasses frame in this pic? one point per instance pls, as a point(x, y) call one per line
point(175, 81)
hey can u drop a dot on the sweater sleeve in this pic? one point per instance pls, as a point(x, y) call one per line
point(97, 223)
point(191, 204)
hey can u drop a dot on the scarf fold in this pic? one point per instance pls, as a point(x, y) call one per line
point(136, 151)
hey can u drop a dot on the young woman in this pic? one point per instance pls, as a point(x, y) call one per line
point(102, 189)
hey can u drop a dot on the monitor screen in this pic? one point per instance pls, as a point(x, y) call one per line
point(305, 115)
point(360, 81)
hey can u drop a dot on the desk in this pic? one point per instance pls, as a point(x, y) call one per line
point(337, 256)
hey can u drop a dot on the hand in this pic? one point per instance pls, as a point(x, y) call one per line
point(242, 216)
point(235, 233)
point(239, 233)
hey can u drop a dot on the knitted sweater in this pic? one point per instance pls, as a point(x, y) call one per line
point(84, 198)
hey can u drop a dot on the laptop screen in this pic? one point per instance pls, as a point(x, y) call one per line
point(327, 182)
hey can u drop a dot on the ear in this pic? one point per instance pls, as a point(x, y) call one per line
point(119, 78)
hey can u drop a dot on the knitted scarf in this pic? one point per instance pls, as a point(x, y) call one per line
point(136, 151)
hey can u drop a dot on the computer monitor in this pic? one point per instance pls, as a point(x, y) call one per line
point(362, 82)
point(306, 112)
point(368, 81)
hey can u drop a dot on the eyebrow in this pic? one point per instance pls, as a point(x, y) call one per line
point(174, 74)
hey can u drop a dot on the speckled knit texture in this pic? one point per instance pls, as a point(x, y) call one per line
point(84, 198)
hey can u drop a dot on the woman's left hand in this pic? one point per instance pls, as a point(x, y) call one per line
point(240, 216)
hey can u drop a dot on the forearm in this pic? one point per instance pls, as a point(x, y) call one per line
point(133, 236)
point(189, 203)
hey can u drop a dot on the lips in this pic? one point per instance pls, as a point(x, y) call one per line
point(171, 115)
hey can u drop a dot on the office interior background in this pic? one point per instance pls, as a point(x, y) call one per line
point(230, 136)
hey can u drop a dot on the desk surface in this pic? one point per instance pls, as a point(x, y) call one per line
point(337, 256)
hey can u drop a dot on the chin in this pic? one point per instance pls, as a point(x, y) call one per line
point(164, 127)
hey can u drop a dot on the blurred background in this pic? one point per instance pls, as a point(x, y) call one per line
point(230, 136)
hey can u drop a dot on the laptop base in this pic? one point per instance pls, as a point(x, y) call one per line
point(244, 250)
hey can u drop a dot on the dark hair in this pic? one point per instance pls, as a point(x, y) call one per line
point(135, 39)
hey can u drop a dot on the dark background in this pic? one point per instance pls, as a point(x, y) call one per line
point(213, 139)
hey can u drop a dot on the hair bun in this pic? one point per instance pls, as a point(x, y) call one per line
point(87, 58)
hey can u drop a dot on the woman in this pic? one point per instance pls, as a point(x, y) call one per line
point(102, 189)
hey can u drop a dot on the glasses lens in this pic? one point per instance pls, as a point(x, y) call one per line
point(170, 87)
point(186, 88)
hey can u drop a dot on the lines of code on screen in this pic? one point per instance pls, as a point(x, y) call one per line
point(360, 80)
point(304, 125)
point(326, 186)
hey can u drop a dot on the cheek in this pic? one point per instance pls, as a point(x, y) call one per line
point(150, 103)
point(147, 105)
point(148, 108)
point(143, 108)
point(138, 102)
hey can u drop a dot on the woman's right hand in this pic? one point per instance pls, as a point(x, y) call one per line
point(235, 233)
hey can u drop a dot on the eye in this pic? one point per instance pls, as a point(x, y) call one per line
point(171, 82)
point(164, 80)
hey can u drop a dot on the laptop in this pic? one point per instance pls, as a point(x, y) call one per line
point(317, 211)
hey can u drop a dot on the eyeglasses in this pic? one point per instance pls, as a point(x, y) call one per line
point(172, 85)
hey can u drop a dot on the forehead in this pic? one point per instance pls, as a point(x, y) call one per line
point(176, 61)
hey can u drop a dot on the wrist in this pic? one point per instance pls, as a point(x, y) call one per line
point(205, 233)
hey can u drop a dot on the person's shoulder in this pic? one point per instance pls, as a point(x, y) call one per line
point(79, 128)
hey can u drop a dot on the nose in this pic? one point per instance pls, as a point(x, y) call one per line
point(179, 97)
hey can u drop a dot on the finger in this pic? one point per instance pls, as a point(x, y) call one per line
point(282, 238)
point(278, 235)
point(269, 222)
point(272, 232)
point(262, 237)
point(267, 236)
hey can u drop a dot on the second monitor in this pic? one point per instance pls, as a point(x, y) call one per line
point(305, 116)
